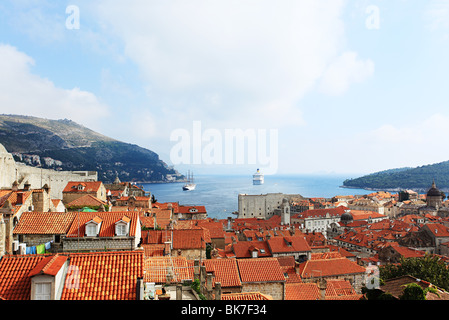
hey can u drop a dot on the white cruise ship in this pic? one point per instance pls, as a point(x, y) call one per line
point(189, 185)
point(258, 178)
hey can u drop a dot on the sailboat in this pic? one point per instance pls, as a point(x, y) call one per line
point(189, 185)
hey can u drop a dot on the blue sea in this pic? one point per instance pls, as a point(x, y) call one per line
point(219, 193)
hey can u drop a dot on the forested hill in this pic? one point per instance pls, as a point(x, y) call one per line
point(66, 145)
point(419, 178)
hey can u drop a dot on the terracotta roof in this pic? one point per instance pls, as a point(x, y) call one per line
point(107, 226)
point(338, 211)
point(15, 284)
point(186, 209)
point(328, 268)
point(44, 223)
point(260, 270)
point(438, 230)
point(86, 200)
point(191, 238)
point(156, 269)
point(153, 250)
point(243, 249)
point(225, 271)
point(49, 266)
point(103, 276)
point(89, 186)
point(302, 291)
point(246, 296)
point(288, 244)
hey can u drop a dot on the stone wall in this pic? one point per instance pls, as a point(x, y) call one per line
point(274, 289)
point(11, 171)
point(100, 243)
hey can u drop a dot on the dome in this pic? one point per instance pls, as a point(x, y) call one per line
point(346, 217)
point(433, 191)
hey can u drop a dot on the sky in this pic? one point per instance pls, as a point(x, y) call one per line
point(306, 87)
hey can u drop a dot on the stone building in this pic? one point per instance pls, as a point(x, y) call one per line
point(36, 178)
point(334, 268)
point(76, 189)
point(100, 231)
point(264, 206)
point(262, 275)
point(37, 228)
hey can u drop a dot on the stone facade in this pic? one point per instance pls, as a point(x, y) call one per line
point(100, 243)
point(265, 205)
point(275, 289)
point(11, 171)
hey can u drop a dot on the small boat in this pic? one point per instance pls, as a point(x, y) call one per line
point(190, 185)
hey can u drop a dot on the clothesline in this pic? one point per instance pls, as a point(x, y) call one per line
point(39, 249)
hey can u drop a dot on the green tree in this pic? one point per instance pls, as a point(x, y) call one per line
point(429, 268)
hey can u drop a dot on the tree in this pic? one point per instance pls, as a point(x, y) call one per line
point(429, 268)
point(414, 291)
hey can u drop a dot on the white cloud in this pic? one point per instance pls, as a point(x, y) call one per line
point(239, 63)
point(22, 92)
point(437, 15)
point(345, 70)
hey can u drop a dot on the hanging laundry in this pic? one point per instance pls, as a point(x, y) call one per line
point(48, 245)
point(32, 250)
point(40, 249)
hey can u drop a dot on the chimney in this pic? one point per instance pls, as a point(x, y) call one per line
point(229, 223)
point(217, 291)
point(196, 269)
point(179, 291)
point(209, 286)
point(167, 249)
point(322, 284)
point(15, 186)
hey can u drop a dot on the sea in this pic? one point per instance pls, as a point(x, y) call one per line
point(219, 193)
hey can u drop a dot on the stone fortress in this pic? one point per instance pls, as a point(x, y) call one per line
point(14, 173)
point(265, 206)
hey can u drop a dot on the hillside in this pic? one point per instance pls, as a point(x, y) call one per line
point(419, 178)
point(66, 145)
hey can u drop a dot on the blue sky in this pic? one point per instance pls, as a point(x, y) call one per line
point(350, 86)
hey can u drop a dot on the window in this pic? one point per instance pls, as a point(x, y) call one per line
point(57, 238)
point(120, 229)
point(43, 291)
point(91, 230)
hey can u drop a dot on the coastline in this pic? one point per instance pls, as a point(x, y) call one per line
point(418, 190)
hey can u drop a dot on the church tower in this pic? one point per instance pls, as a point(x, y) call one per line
point(434, 197)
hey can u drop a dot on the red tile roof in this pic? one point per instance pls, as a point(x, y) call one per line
point(246, 296)
point(86, 200)
point(186, 209)
point(260, 270)
point(321, 212)
point(328, 268)
point(225, 271)
point(103, 276)
point(156, 269)
point(437, 229)
point(243, 249)
point(108, 223)
point(302, 291)
point(89, 186)
point(288, 245)
point(51, 265)
point(15, 284)
point(44, 223)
